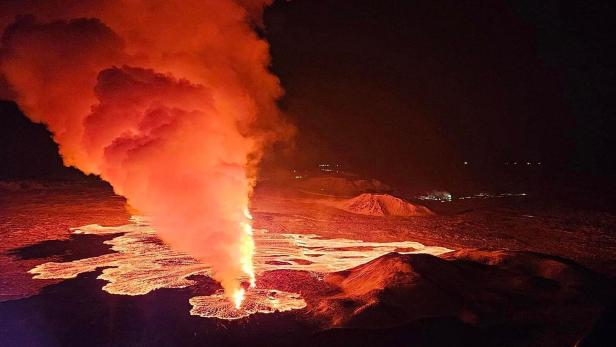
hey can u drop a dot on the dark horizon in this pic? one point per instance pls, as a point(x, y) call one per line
point(420, 88)
point(406, 90)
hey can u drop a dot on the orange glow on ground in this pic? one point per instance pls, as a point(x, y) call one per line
point(141, 263)
point(255, 301)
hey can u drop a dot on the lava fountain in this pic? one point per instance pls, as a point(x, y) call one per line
point(171, 102)
point(140, 264)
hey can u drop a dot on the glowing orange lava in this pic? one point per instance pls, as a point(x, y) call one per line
point(141, 263)
point(256, 301)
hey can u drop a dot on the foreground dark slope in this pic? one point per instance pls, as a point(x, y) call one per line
point(508, 298)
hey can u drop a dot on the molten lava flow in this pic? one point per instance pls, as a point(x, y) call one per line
point(256, 301)
point(171, 102)
point(140, 264)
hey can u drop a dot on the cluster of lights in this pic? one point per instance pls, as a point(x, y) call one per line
point(488, 196)
point(330, 167)
point(298, 175)
point(528, 163)
point(323, 167)
point(447, 197)
point(437, 196)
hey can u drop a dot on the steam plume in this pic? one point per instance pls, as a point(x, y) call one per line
point(169, 101)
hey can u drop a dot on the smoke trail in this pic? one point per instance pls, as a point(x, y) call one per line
point(169, 101)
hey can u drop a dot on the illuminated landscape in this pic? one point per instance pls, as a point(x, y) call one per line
point(143, 264)
point(325, 280)
point(307, 173)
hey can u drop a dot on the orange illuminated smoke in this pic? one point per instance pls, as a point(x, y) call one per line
point(171, 102)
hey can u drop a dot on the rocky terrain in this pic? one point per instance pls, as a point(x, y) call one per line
point(513, 273)
point(381, 205)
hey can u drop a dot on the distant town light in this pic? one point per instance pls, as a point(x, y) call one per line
point(330, 167)
point(437, 196)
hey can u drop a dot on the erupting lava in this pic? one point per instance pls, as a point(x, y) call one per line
point(171, 102)
point(141, 264)
point(246, 253)
point(257, 301)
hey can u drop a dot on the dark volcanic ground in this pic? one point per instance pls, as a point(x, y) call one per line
point(544, 276)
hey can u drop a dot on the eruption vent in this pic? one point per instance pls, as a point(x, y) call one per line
point(169, 101)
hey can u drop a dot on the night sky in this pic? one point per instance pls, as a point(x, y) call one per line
point(413, 89)
point(417, 88)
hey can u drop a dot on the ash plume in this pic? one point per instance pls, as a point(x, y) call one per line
point(171, 102)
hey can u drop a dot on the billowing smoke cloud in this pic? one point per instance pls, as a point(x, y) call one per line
point(169, 101)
